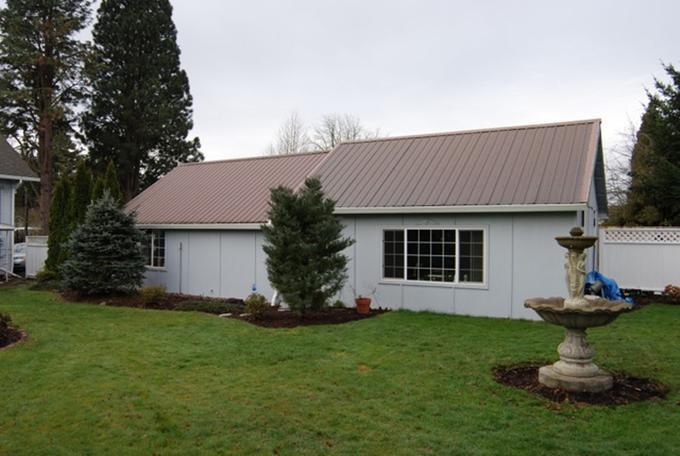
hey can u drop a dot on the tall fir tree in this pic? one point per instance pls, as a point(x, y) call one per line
point(654, 194)
point(60, 225)
point(140, 109)
point(41, 61)
point(108, 183)
point(304, 245)
point(81, 194)
point(104, 252)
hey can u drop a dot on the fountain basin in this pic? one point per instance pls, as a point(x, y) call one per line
point(579, 243)
point(597, 312)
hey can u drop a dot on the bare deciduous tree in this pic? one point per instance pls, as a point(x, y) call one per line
point(294, 136)
point(336, 128)
point(291, 138)
point(617, 162)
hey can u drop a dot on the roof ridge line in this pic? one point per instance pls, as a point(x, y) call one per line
point(476, 130)
point(257, 157)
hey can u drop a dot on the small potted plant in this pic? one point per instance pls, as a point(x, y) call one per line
point(363, 303)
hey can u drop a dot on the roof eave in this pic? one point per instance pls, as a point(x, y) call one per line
point(19, 178)
point(469, 209)
point(199, 226)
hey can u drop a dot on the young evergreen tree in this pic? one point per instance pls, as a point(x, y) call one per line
point(654, 194)
point(60, 225)
point(104, 252)
point(108, 183)
point(41, 61)
point(81, 194)
point(140, 110)
point(304, 245)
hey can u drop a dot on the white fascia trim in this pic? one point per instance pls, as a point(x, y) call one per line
point(19, 178)
point(199, 226)
point(463, 209)
point(490, 209)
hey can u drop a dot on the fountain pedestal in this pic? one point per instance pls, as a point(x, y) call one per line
point(575, 371)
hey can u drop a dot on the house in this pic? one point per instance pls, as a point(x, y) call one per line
point(458, 222)
point(13, 170)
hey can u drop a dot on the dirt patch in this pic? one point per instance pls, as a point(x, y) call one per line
point(288, 319)
point(13, 282)
point(626, 389)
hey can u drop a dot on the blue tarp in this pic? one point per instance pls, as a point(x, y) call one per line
point(610, 289)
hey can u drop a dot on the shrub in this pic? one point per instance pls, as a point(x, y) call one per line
point(338, 304)
point(45, 276)
point(672, 290)
point(234, 306)
point(257, 305)
point(45, 280)
point(104, 252)
point(152, 295)
point(673, 293)
point(8, 333)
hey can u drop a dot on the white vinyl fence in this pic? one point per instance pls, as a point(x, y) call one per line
point(36, 254)
point(641, 258)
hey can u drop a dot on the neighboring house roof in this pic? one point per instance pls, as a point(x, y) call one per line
point(12, 166)
point(529, 165)
point(542, 167)
point(221, 192)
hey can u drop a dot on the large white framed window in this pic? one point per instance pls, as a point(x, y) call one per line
point(154, 248)
point(448, 255)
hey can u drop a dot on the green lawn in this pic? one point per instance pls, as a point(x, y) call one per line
point(93, 379)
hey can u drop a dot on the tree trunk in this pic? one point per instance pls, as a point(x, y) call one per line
point(45, 161)
point(130, 184)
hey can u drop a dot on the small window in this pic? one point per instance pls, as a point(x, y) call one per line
point(154, 248)
point(393, 257)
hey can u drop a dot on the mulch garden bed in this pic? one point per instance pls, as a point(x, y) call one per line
point(170, 301)
point(10, 337)
point(626, 389)
point(288, 319)
point(644, 299)
point(230, 308)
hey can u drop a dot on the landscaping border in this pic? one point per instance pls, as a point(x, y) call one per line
point(627, 389)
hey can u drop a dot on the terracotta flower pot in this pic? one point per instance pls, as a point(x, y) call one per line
point(363, 305)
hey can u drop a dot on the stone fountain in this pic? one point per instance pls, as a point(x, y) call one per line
point(575, 371)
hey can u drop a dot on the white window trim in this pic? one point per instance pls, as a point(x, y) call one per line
point(455, 284)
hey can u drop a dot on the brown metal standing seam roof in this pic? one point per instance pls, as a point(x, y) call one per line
point(528, 165)
point(535, 164)
point(227, 191)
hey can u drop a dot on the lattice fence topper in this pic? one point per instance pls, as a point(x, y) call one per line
point(641, 235)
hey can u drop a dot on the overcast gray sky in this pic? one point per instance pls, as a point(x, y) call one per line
point(418, 66)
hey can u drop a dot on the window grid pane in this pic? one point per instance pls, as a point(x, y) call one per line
point(393, 254)
point(471, 256)
point(431, 255)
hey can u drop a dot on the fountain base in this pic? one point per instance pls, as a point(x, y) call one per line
point(552, 378)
